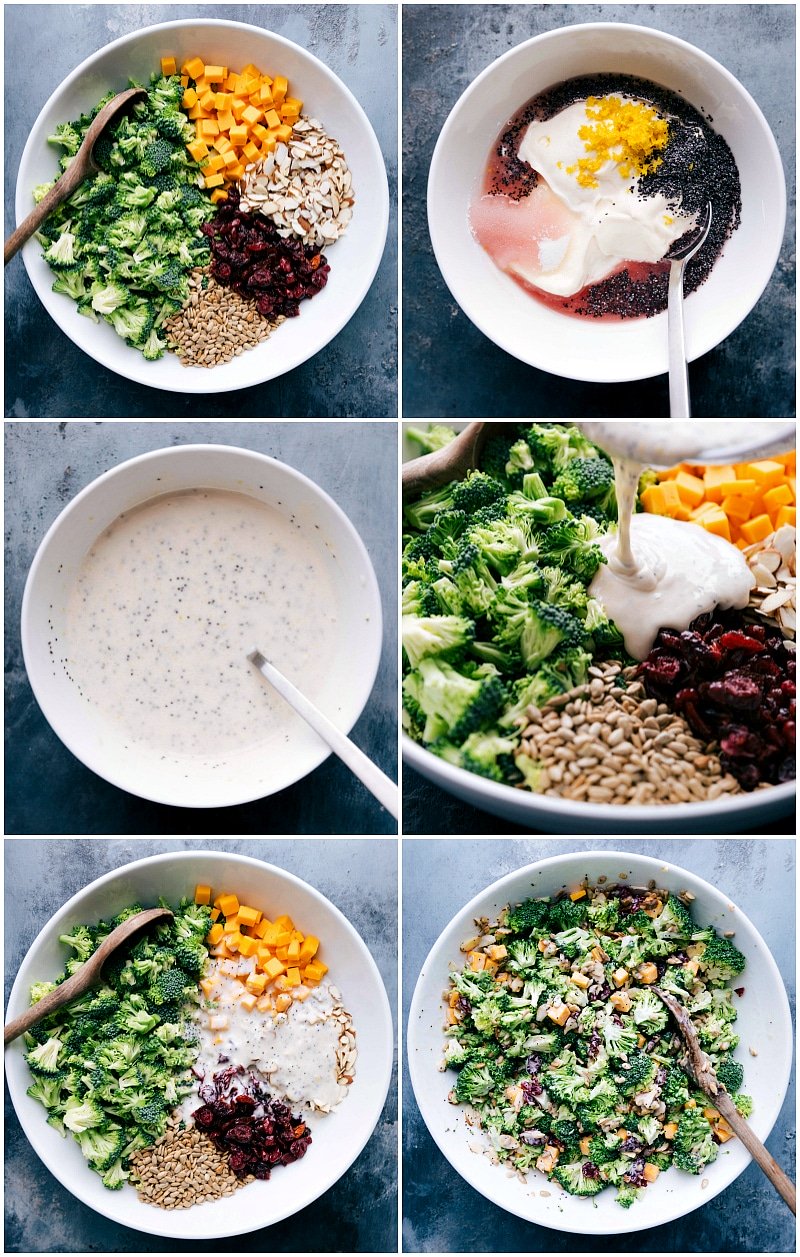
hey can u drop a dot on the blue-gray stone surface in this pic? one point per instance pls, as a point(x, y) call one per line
point(47, 375)
point(357, 1214)
point(442, 1213)
point(48, 791)
point(449, 367)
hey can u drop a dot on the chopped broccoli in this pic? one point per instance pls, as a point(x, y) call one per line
point(446, 636)
point(693, 1147)
point(532, 915)
point(720, 960)
point(454, 705)
point(730, 1074)
point(43, 1059)
point(434, 437)
point(744, 1104)
point(587, 480)
point(575, 1181)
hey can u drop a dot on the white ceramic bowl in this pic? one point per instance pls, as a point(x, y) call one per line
point(337, 1138)
point(587, 349)
point(354, 258)
point(764, 1022)
point(288, 753)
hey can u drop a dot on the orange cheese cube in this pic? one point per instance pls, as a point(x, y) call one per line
point(196, 112)
point(271, 934)
point(272, 118)
point(293, 104)
point(256, 983)
point(216, 73)
point(214, 163)
point(189, 98)
point(248, 947)
point(215, 914)
point(293, 951)
point(207, 986)
point(222, 100)
point(238, 134)
point(235, 172)
point(230, 159)
point(293, 976)
point(261, 927)
point(214, 934)
point(249, 916)
point(714, 478)
point(274, 968)
point(226, 120)
point(661, 499)
point(780, 495)
point(194, 68)
point(265, 94)
point(691, 488)
point(202, 895)
point(284, 133)
point(248, 1002)
point(736, 507)
point(237, 108)
point(786, 515)
point(282, 953)
point(184, 80)
point(766, 472)
point(208, 100)
point(757, 529)
point(221, 951)
point(284, 937)
point(716, 522)
point(315, 970)
point(251, 115)
point(228, 904)
point(198, 149)
point(308, 949)
point(280, 87)
point(233, 941)
point(269, 145)
point(259, 131)
point(208, 126)
point(222, 144)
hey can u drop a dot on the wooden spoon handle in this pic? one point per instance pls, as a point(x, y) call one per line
point(63, 994)
point(72, 177)
point(780, 1181)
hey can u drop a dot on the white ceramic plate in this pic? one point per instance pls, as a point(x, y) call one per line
point(586, 349)
point(287, 753)
point(337, 1138)
point(354, 258)
point(764, 1023)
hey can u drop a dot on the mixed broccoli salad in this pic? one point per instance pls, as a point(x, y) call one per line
point(497, 614)
point(568, 1056)
point(111, 1066)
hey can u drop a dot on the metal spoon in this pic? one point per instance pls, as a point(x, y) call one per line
point(87, 976)
point(699, 1068)
point(383, 788)
point(82, 165)
point(678, 367)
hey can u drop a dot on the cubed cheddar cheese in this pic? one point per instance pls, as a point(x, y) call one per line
point(251, 115)
point(228, 904)
point(308, 949)
point(691, 489)
point(249, 916)
point(661, 498)
point(757, 529)
point(274, 967)
point(248, 1001)
point(780, 495)
point(293, 976)
point(202, 895)
point(194, 68)
point(189, 98)
point(208, 126)
point(168, 66)
point(256, 983)
point(786, 515)
point(238, 135)
point(248, 946)
point(766, 472)
point(714, 478)
point(216, 73)
point(214, 934)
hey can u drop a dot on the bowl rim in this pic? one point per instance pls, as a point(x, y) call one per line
point(63, 729)
point(383, 1021)
point(450, 777)
point(198, 379)
point(551, 863)
point(702, 343)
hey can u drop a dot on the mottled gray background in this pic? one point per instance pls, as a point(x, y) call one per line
point(357, 1214)
point(46, 375)
point(442, 1213)
point(48, 791)
point(444, 48)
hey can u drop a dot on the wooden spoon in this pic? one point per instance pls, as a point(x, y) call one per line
point(82, 165)
point(698, 1066)
point(87, 976)
point(452, 462)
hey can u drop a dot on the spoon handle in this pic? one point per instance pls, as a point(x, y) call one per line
point(72, 177)
point(381, 786)
point(431, 471)
point(63, 994)
point(780, 1181)
point(678, 368)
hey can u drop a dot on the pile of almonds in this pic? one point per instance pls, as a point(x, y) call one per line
point(773, 563)
point(305, 186)
point(606, 742)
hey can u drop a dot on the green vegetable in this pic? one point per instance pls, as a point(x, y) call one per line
point(109, 1067)
point(546, 1039)
point(123, 244)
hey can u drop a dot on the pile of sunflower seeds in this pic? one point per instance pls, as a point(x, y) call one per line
point(216, 324)
point(605, 742)
point(773, 563)
point(182, 1169)
point(305, 186)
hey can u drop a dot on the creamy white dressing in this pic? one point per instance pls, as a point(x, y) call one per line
point(172, 597)
point(294, 1053)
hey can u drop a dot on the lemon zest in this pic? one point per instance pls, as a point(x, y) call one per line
point(628, 133)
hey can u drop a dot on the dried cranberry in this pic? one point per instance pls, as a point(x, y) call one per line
point(590, 1171)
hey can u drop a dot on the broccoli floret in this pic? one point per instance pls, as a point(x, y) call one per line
point(43, 1059)
point(80, 1115)
point(169, 988)
point(744, 1104)
point(130, 322)
point(486, 754)
point(693, 1147)
point(434, 437)
point(153, 348)
point(115, 1176)
point(477, 491)
point(674, 920)
point(474, 1083)
point(675, 1090)
point(529, 916)
point(573, 1179)
point(627, 1196)
point(102, 1147)
point(603, 1149)
point(638, 1072)
point(156, 157)
point(567, 914)
point(649, 1014)
point(444, 636)
point(191, 957)
point(454, 705)
point(446, 528)
point(547, 627)
point(587, 480)
point(720, 960)
point(40, 989)
point(108, 297)
point(730, 1074)
point(66, 136)
point(47, 1090)
point(572, 543)
point(61, 253)
point(604, 916)
point(192, 922)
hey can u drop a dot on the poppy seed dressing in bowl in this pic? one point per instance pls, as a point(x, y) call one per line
point(168, 602)
point(590, 185)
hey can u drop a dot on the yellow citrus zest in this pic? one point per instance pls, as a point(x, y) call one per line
point(629, 133)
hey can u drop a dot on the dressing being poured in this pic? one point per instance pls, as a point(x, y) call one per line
point(662, 572)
